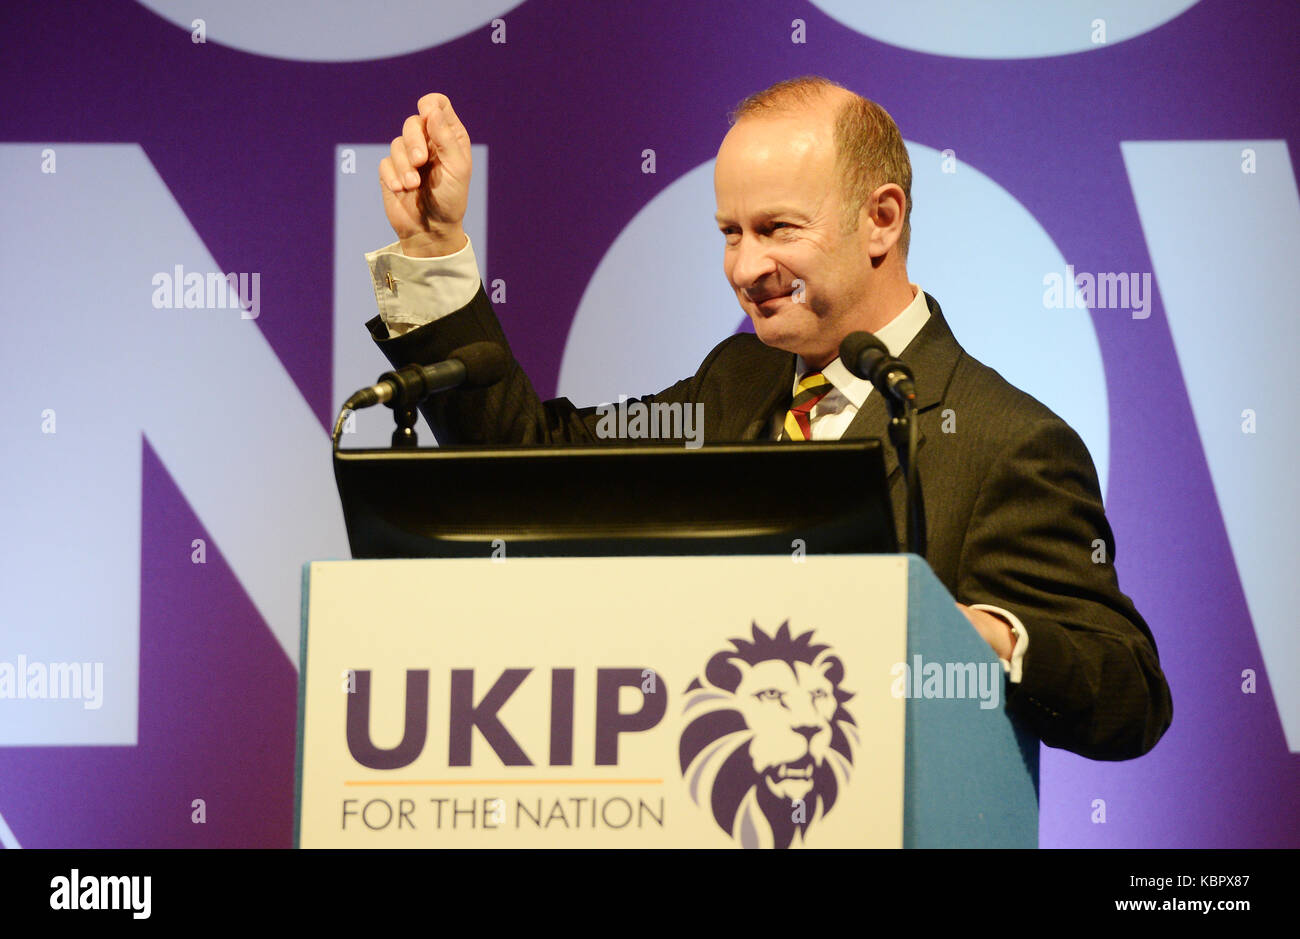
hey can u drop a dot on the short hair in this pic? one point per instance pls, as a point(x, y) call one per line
point(868, 146)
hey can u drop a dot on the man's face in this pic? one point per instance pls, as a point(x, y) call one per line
point(796, 272)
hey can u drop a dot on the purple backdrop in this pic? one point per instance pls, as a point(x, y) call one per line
point(246, 144)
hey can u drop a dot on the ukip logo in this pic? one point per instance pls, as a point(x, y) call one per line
point(768, 744)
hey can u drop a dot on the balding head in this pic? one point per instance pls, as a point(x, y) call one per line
point(869, 149)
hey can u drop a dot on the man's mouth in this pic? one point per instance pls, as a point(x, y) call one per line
point(768, 303)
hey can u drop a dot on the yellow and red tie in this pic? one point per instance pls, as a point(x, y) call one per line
point(811, 388)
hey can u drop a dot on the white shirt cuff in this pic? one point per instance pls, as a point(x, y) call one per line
point(412, 292)
point(1014, 667)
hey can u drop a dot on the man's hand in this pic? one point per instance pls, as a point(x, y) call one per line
point(425, 180)
point(997, 632)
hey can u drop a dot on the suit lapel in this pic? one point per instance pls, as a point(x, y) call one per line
point(872, 420)
point(932, 356)
point(774, 395)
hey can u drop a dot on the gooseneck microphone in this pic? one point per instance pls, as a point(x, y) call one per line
point(866, 356)
point(476, 365)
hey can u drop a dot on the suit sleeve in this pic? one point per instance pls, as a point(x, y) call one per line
point(509, 412)
point(1092, 681)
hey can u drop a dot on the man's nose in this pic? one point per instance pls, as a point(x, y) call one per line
point(751, 265)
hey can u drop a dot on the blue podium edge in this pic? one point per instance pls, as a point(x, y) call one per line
point(996, 808)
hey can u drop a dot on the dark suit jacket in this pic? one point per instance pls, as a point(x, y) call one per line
point(1013, 506)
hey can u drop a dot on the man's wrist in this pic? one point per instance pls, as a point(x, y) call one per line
point(1014, 662)
point(438, 243)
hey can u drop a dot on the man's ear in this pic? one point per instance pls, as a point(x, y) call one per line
point(884, 211)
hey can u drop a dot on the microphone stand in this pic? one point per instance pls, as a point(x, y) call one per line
point(404, 436)
point(410, 390)
point(903, 435)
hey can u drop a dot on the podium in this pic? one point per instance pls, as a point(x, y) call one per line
point(836, 700)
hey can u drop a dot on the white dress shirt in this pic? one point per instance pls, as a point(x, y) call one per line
point(412, 292)
point(832, 415)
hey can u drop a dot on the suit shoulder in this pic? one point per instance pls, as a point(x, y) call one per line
point(1009, 421)
point(1000, 405)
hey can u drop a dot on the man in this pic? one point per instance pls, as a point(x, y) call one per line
point(813, 189)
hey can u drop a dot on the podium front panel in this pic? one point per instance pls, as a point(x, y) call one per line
point(603, 702)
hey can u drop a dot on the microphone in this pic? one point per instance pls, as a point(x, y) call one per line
point(867, 357)
point(476, 365)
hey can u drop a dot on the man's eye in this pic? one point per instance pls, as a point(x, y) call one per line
point(768, 694)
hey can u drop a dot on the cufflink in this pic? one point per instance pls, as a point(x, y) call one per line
point(391, 281)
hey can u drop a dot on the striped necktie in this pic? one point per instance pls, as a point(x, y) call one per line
point(811, 388)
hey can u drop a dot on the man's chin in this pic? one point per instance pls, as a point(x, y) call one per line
point(778, 332)
point(787, 337)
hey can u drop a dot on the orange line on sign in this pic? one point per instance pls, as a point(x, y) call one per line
point(502, 782)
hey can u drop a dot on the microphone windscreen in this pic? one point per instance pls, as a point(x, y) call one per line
point(852, 348)
point(485, 363)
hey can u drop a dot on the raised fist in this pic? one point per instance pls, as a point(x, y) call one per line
point(425, 180)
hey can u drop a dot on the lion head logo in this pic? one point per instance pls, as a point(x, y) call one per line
point(768, 745)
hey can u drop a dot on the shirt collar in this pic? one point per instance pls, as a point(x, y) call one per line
point(897, 335)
